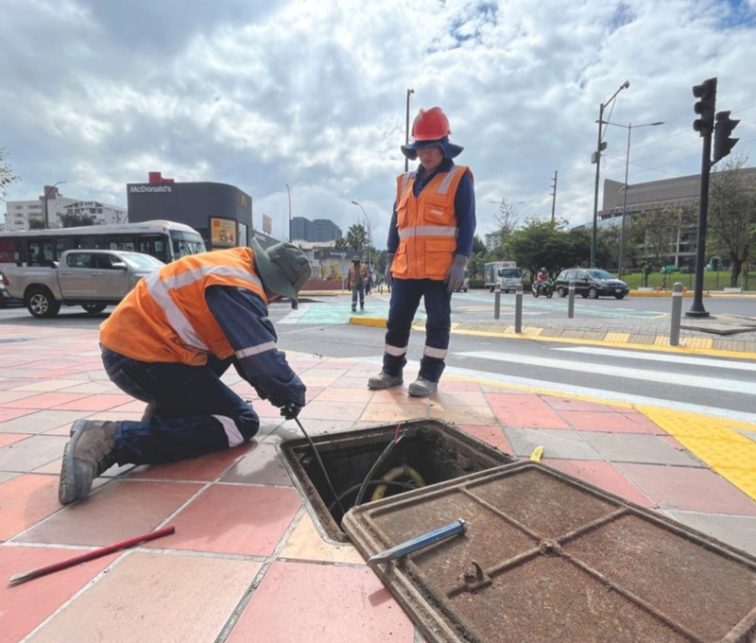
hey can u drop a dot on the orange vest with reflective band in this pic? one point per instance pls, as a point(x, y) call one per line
point(427, 226)
point(165, 318)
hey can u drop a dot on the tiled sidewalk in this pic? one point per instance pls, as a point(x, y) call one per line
point(246, 562)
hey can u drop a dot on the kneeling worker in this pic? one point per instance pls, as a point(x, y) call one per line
point(168, 343)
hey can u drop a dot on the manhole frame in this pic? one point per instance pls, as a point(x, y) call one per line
point(324, 522)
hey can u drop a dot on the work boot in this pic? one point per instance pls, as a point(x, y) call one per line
point(354, 308)
point(383, 380)
point(422, 387)
point(362, 305)
point(89, 452)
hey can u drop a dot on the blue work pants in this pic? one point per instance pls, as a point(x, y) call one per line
point(405, 299)
point(191, 411)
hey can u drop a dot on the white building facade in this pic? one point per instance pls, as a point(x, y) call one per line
point(25, 215)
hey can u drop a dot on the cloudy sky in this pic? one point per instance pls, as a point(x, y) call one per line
point(311, 93)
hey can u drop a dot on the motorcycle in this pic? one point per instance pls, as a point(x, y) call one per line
point(545, 288)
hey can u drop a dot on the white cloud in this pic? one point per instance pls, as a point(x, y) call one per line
point(312, 94)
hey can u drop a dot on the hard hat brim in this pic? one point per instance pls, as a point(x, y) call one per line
point(449, 150)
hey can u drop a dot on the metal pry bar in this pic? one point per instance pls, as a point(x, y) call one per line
point(420, 542)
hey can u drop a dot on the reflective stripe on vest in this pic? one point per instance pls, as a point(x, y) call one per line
point(159, 291)
point(428, 231)
point(255, 350)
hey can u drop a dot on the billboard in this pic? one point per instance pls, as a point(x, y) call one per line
point(222, 233)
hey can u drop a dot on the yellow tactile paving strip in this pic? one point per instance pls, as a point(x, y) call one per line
point(714, 441)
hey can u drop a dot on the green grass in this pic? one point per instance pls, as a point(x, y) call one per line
point(712, 280)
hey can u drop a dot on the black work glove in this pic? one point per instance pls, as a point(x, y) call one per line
point(290, 411)
point(387, 274)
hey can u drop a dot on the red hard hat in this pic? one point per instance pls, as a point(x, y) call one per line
point(430, 125)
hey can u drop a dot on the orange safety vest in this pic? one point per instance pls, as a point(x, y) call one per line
point(427, 226)
point(352, 277)
point(165, 318)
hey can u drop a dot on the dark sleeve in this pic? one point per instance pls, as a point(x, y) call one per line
point(243, 318)
point(393, 235)
point(464, 206)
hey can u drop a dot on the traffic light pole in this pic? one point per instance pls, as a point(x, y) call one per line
point(697, 308)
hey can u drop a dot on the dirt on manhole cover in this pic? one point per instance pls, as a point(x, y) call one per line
point(546, 557)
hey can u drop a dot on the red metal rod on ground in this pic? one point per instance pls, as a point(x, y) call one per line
point(91, 555)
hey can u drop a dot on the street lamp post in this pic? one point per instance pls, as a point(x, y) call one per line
point(48, 191)
point(629, 127)
point(367, 228)
point(289, 193)
point(406, 128)
point(602, 107)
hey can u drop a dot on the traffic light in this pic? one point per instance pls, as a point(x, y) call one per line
point(706, 92)
point(723, 144)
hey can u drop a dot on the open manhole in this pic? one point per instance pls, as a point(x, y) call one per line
point(429, 451)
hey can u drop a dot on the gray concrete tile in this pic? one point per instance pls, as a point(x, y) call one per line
point(556, 443)
point(737, 531)
point(647, 449)
point(35, 451)
point(41, 421)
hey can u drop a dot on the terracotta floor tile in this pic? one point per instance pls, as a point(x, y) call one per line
point(129, 405)
point(92, 388)
point(7, 398)
point(53, 385)
point(688, 489)
point(234, 519)
point(569, 404)
point(98, 402)
point(449, 384)
point(450, 398)
point(24, 501)
point(10, 438)
point(9, 414)
point(31, 453)
point(332, 604)
point(260, 465)
point(333, 410)
point(529, 411)
point(491, 434)
point(305, 543)
point(206, 468)
point(609, 420)
point(481, 415)
point(41, 401)
point(391, 412)
point(152, 597)
point(602, 475)
point(337, 394)
point(25, 606)
point(119, 510)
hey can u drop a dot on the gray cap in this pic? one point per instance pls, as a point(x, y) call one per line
point(283, 268)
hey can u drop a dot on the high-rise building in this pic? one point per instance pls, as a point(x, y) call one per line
point(303, 229)
point(61, 211)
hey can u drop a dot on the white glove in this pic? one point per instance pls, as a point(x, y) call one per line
point(456, 275)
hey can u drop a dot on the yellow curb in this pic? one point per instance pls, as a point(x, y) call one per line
point(378, 322)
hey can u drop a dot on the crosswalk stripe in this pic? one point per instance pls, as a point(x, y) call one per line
point(662, 357)
point(647, 375)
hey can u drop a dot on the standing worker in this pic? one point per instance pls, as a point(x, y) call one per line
point(356, 282)
point(168, 343)
point(429, 241)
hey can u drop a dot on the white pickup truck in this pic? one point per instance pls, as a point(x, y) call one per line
point(92, 279)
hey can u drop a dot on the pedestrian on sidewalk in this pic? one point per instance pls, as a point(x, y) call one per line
point(356, 282)
point(429, 241)
point(168, 343)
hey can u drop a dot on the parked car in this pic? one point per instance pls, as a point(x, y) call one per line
point(590, 282)
point(92, 279)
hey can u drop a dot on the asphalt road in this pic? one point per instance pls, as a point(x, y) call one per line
point(709, 385)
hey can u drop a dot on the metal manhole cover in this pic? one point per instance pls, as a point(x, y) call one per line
point(546, 557)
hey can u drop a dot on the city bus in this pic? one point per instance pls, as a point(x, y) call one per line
point(165, 240)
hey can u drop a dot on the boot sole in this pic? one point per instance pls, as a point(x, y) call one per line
point(383, 387)
point(67, 483)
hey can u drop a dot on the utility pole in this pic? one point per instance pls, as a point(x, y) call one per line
point(288, 191)
point(553, 197)
point(406, 128)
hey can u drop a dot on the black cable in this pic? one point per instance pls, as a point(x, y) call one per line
point(389, 447)
point(407, 486)
point(322, 466)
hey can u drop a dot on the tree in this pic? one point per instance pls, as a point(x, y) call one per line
point(659, 231)
point(541, 244)
point(732, 215)
point(341, 244)
point(356, 238)
point(7, 175)
point(507, 220)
